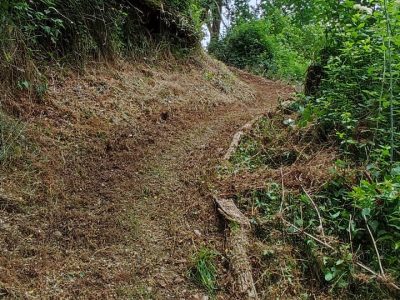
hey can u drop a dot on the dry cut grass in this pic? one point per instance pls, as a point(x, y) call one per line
point(71, 229)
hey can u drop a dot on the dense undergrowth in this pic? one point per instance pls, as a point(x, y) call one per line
point(351, 219)
point(297, 190)
point(357, 104)
point(34, 34)
point(269, 44)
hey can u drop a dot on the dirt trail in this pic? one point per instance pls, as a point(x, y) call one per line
point(174, 211)
point(117, 201)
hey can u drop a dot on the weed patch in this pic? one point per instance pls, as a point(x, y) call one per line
point(204, 271)
point(273, 143)
point(315, 234)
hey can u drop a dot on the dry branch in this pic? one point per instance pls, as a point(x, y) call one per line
point(239, 230)
point(238, 136)
point(375, 247)
point(230, 211)
point(321, 226)
point(238, 242)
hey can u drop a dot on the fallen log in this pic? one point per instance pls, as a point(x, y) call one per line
point(239, 228)
point(237, 241)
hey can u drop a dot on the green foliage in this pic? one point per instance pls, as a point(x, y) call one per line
point(267, 200)
point(270, 46)
point(204, 271)
point(288, 64)
point(303, 12)
point(357, 105)
point(348, 211)
point(179, 5)
point(11, 139)
point(343, 212)
point(246, 46)
point(241, 11)
point(256, 150)
point(354, 100)
point(75, 30)
point(378, 203)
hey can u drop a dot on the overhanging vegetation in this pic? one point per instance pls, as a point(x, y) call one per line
point(75, 30)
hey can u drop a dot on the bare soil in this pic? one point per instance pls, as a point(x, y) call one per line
point(114, 190)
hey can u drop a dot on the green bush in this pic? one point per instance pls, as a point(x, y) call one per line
point(357, 105)
point(358, 97)
point(269, 47)
point(246, 46)
point(288, 64)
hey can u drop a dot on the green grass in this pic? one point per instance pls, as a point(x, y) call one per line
point(11, 139)
point(204, 271)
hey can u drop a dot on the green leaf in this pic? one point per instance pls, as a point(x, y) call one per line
point(336, 215)
point(339, 262)
point(366, 212)
point(329, 276)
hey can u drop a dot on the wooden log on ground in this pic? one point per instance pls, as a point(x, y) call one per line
point(239, 229)
point(237, 241)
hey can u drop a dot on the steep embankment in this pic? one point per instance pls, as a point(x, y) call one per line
point(107, 195)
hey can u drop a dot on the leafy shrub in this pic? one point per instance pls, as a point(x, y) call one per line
point(357, 99)
point(350, 212)
point(246, 46)
point(266, 47)
point(357, 105)
point(288, 64)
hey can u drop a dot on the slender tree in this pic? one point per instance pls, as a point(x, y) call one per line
point(212, 17)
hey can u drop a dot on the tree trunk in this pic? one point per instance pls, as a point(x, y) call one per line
point(216, 17)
